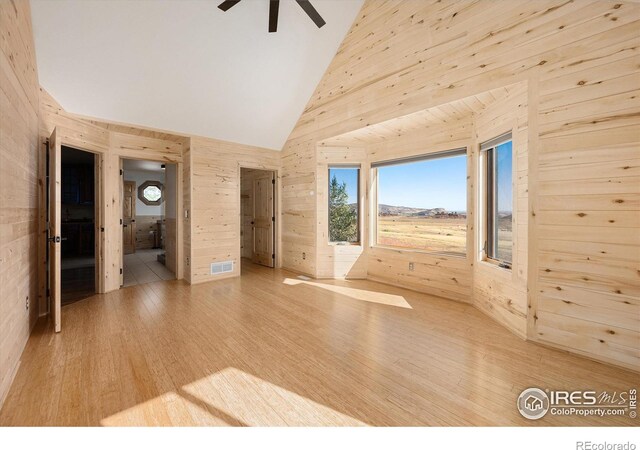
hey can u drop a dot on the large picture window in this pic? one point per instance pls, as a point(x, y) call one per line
point(498, 199)
point(422, 203)
point(344, 204)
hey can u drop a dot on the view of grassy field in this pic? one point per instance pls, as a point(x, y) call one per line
point(505, 238)
point(437, 234)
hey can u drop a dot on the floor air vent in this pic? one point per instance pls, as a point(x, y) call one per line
point(221, 267)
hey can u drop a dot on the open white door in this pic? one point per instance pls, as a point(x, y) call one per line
point(55, 202)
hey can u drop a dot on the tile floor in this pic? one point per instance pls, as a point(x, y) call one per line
point(143, 267)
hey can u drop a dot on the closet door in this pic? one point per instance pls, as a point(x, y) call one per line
point(263, 220)
point(129, 217)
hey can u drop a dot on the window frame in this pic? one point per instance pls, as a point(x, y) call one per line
point(144, 199)
point(489, 156)
point(375, 165)
point(358, 241)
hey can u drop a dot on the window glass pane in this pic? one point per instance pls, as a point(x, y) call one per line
point(504, 202)
point(423, 205)
point(152, 193)
point(343, 204)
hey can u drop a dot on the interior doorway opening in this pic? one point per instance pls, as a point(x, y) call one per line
point(149, 221)
point(78, 225)
point(258, 216)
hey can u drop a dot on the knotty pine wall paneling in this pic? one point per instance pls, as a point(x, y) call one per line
point(438, 274)
point(19, 186)
point(581, 61)
point(215, 201)
point(340, 261)
point(502, 293)
point(91, 136)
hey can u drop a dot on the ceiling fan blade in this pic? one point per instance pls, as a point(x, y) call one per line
point(311, 12)
point(274, 6)
point(227, 4)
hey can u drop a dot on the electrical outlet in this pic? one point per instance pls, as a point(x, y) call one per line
point(410, 267)
point(304, 255)
point(27, 303)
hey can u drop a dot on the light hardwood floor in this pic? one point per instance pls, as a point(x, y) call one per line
point(270, 349)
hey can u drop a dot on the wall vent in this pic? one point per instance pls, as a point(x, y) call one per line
point(221, 267)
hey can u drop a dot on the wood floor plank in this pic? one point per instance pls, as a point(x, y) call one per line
point(270, 349)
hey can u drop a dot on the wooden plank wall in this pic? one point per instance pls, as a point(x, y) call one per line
point(502, 294)
point(340, 261)
point(145, 226)
point(111, 145)
point(588, 217)
point(210, 179)
point(170, 244)
point(18, 186)
point(299, 206)
point(580, 60)
point(445, 276)
point(215, 201)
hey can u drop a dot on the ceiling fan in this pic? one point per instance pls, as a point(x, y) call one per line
point(274, 5)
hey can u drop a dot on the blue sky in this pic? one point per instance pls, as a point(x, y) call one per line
point(435, 183)
point(350, 176)
point(504, 177)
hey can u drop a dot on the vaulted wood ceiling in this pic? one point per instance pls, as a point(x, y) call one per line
point(437, 115)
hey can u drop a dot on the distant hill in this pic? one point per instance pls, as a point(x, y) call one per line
point(406, 211)
point(390, 210)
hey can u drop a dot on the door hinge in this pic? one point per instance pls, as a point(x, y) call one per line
point(120, 270)
point(273, 256)
point(121, 173)
point(120, 221)
point(273, 219)
point(273, 181)
point(102, 229)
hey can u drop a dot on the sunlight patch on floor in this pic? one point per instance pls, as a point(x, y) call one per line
point(257, 402)
point(169, 409)
point(357, 294)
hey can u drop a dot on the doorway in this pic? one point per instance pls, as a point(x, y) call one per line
point(149, 221)
point(73, 217)
point(77, 225)
point(258, 217)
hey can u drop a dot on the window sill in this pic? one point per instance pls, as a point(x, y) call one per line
point(345, 244)
point(422, 252)
point(496, 264)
